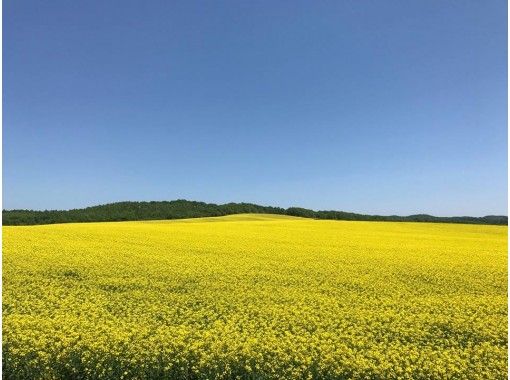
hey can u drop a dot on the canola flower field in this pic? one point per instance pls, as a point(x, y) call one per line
point(255, 297)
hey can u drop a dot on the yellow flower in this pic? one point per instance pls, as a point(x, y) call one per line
point(255, 296)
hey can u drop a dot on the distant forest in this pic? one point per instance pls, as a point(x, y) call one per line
point(179, 209)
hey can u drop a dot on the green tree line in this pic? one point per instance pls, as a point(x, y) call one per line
point(179, 209)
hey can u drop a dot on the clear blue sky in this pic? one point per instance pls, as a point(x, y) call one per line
point(388, 107)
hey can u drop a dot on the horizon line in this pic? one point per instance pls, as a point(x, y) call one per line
point(251, 203)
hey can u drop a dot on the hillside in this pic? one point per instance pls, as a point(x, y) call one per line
point(275, 298)
point(181, 209)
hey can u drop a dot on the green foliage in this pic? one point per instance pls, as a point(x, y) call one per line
point(180, 209)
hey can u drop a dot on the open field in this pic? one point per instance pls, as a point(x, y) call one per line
point(255, 297)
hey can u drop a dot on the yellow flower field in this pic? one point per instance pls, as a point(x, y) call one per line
point(255, 297)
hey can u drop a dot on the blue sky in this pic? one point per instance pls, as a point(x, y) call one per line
point(390, 107)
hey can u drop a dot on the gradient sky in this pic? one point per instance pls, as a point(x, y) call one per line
point(387, 107)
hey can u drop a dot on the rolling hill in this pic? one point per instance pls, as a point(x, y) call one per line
point(182, 209)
